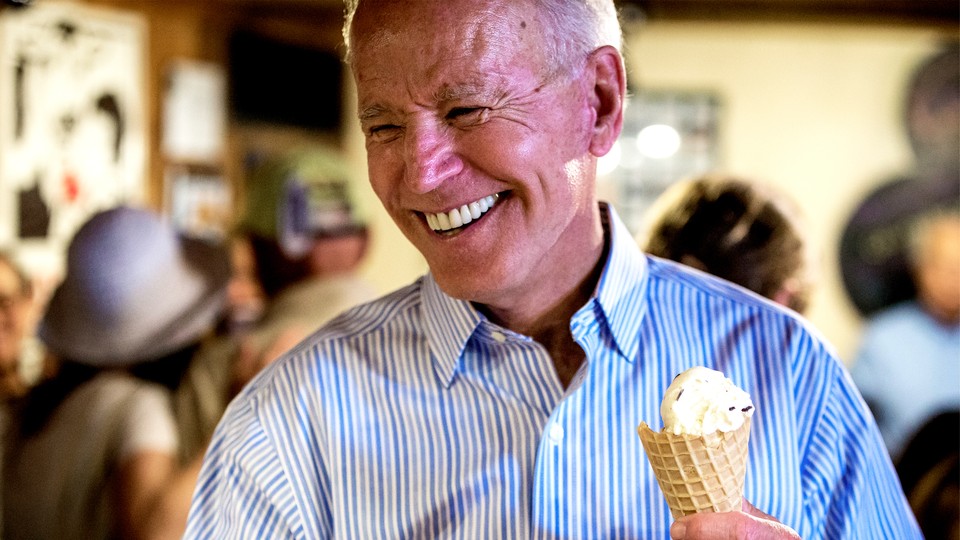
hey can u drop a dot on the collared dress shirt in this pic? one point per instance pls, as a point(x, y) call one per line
point(416, 417)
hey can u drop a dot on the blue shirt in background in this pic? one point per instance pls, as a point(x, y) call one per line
point(416, 417)
point(908, 369)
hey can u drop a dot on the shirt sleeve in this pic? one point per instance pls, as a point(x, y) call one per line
point(851, 489)
point(245, 489)
point(148, 424)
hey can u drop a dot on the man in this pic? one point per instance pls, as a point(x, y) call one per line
point(908, 365)
point(498, 396)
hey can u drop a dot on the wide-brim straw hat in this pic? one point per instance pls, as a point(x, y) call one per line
point(134, 291)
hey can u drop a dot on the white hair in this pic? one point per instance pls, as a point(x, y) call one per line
point(574, 28)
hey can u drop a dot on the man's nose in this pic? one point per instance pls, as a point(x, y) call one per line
point(431, 157)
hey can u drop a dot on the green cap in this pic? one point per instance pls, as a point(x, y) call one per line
point(301, 195)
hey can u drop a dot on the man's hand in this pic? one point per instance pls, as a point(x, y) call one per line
point(749, 524)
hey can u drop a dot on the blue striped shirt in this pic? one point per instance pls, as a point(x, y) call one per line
point(415, 417)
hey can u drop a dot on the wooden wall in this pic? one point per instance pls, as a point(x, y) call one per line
point(199, 30)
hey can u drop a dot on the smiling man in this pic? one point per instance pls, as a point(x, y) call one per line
point(497, 396)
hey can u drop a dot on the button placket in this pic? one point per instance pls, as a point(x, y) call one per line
point(555, 433)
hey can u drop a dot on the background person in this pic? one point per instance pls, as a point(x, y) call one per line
point(742, 231)
point(22, 358)
point(94, 451)
point(908, 363)
point(305, 236)
point(309, 236)
point(929, 469)
point(246, 298)
point(498, 396)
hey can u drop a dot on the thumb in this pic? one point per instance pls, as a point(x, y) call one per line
point(749, 508)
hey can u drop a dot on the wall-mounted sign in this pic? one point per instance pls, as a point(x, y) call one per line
point(667, 136)
point(72, 126)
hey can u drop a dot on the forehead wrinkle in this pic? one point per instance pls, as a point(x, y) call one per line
point(459, 91)
point(484, 38)
point(371, 112)
point(496, 29)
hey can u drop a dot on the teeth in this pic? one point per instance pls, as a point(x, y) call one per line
point(458, 217)
point(443, 222)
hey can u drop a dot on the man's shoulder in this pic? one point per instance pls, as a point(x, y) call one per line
point(674, 278)
point(396, 313)
point(678, 288)
point(903, 313)
point(395, 308)
point(357, 343)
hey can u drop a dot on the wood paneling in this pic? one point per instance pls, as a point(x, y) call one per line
point(896, 12)
point(199, 30)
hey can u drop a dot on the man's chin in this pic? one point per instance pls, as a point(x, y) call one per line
point(482, 287)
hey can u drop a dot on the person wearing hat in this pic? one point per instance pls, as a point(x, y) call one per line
point(309, 235)
point(95, 451)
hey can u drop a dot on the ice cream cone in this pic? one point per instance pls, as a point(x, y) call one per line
point(698, 474)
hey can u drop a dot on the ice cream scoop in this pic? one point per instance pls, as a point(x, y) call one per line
point(700, 456)
point(701, 401)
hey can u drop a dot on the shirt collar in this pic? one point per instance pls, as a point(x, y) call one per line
point(448, 322)
point(621, 291)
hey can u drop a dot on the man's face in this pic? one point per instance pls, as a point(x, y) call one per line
point(938, 272)
point(14, 311)
point(458, 105)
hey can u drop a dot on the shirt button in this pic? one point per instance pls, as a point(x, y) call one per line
point(555, 433)
point(499, 337)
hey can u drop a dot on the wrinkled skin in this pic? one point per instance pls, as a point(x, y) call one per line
point(472, 110)
point(451, 117)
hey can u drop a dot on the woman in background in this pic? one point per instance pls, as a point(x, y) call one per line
point(94, 451)
point(736, 229)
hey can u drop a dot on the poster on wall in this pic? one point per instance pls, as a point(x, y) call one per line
point(72, 126)
point(199, 202)
point(667, 136)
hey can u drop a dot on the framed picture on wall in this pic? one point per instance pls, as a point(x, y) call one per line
point(667, 136)
point(72, 121)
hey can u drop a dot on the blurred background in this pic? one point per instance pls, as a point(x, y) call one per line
point(171, 103)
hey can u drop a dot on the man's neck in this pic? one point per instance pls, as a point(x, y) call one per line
point(551, 326)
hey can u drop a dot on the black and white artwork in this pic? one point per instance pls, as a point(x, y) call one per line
point(72, 126)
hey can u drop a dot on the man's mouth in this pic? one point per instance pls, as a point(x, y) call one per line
point(458, 217)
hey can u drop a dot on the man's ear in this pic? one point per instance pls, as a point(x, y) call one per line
point(607, 98)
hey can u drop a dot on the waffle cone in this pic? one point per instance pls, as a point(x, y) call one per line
point(698, 474)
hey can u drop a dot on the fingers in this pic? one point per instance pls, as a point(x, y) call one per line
point(749, 524)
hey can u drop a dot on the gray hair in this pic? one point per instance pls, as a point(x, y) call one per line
point(574, 28)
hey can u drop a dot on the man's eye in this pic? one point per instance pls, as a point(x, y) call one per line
point(382, 132)
point(468, 115)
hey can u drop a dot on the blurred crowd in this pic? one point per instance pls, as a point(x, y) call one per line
point(112, 387)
